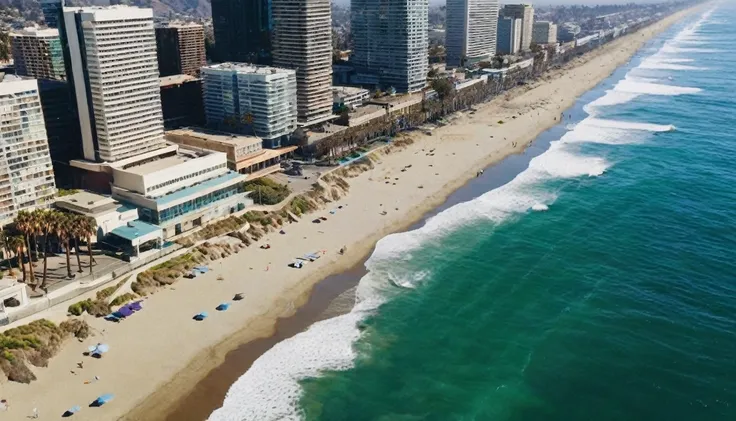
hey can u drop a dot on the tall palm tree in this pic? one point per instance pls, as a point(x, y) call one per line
point(17, 244)
point(24, 223)
point(47, 222)
point(4, 238)
point(38, 219)
point(88, 228)
point(65, 230)
point(76, 232)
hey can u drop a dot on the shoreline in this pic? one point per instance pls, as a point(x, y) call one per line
point(185, 410)
point(160, 356)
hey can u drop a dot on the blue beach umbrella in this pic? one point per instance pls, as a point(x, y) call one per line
point(103, 399)
point(223, 307)
point(201, 316)
point(71, 411)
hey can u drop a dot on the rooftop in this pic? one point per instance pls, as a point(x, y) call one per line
point(249, 68)
point(135, 229)
point(33, 31)
point(205, 185)
point(175, 80)
point(221, 138)
point(347, 90)
point(87, 203)
point(157, 164)
point(180, 24)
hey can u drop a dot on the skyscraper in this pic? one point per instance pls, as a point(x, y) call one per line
point(509, 35)
point(114, 72)
point(471, 31)
point(390, 39)
point(244, 96)
point(180, 49)
point(302, 40)
point(525, 12)
point(243, 30)
point(544, 32)
point(38, 54)
point(26, 174)
point(51, 12)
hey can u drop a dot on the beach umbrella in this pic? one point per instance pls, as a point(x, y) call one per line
point(103, 399)
point(239, 296)
point(98, 349)
point(71, 411)
point(201, 316)
point(223, 307)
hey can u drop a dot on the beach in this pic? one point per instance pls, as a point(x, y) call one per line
point(158, 355)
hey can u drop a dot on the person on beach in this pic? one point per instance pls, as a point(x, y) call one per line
point(4, 405)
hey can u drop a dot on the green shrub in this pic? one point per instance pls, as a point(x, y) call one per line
point(266, 191)
point(122, 299)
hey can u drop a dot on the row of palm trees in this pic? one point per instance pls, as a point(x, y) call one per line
point(22, 237)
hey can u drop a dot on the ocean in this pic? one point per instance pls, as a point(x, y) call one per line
point(591, 278)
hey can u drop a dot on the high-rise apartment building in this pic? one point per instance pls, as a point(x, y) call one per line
point(243, 30)
point(509, 35)
point(390, 39)
point(51, 10)
point(544, 32)
point(525, 12)
point(244, 97)
point(471, 31)
point(180, 48)
point(302, 40)
point(38, 54)
point(114, 72)
point(26, 174)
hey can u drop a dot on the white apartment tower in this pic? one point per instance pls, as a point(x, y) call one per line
point(26, 173)
point(302, 40)
point(525, 12)
point(114, 69)
point(240, 97)
point(390, 39)
point(471, 31)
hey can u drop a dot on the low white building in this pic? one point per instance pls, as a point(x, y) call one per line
point(244, 97)
point(347, 96)
point(107, 212)
point(178, 189)
point(26, 173)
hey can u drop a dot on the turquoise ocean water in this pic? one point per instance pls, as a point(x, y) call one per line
point(593, 278)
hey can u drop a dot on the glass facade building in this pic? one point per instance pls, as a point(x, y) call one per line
point(243, 30)
point(195, 204)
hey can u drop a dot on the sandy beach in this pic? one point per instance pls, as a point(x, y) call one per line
point(159, 354)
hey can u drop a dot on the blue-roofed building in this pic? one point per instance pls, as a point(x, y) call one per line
point(179, 189)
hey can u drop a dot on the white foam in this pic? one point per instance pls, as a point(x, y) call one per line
point(540, 207)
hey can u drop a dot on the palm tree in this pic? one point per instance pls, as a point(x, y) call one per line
point(88, 227)
point(76, 232)
point(47, 222)
point(24, 223)
point(17, 244)
point(65, 229)
point(37, 220)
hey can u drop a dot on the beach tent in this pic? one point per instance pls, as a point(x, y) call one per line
point(123, 311)
point(223, 307)
point(135, 306)
point(103, 399)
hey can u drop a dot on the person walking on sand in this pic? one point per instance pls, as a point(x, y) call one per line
point(35, 413)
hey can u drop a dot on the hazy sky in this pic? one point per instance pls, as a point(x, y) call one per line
point(545, 2)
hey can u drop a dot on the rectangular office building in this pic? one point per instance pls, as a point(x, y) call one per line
point(525, 12)
point(509, 35)
point(544, 33)
point(114, 71)
point(180, 49)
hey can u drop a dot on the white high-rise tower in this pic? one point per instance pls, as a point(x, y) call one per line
point(114, 70)
point(471, 31)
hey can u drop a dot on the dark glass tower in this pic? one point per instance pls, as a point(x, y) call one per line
point(242, 30)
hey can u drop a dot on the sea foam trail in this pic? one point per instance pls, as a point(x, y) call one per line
point(270, 390)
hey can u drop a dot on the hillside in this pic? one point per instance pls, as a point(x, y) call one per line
point(197, 8)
